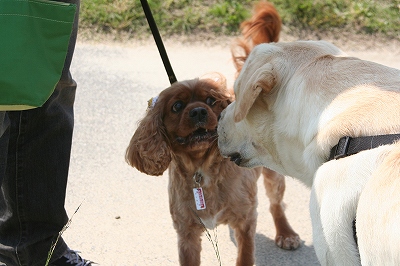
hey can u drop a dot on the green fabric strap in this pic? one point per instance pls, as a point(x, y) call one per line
point(34, 37)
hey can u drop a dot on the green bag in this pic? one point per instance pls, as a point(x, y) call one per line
point(34, 37)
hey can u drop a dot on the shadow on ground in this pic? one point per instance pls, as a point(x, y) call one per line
point(268, 253)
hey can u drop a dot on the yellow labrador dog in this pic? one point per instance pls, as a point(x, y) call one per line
point(306, 110)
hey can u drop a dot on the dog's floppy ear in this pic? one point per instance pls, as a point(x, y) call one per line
point(262, 80)
point(148, 149)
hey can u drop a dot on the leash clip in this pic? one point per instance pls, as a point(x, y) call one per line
point(197, 179)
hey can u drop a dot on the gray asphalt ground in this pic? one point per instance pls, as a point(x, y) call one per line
point(124, 217)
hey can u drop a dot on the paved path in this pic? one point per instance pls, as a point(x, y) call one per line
point(124, 217)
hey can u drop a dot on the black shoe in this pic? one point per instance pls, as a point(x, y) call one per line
point(70, 258)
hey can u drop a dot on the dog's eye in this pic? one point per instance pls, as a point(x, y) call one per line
point(177, 106)
point(210, 101)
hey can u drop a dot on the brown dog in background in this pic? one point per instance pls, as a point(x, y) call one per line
point(263, 27)
point(179, 132)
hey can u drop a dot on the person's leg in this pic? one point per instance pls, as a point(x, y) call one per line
point(35, 172)
point(3, 124)
point(33, 188)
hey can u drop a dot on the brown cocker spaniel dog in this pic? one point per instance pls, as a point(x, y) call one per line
point(178, 132)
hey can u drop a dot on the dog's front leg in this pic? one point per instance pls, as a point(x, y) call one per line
point(245, 238)
point(189, 243)
point(333, 206)
point(274, 183)
point(321, 248)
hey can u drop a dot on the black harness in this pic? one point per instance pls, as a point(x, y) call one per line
point(348, 146)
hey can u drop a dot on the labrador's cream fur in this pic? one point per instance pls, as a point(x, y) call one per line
point(294, 101)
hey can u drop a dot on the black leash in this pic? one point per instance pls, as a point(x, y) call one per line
point(158, 40)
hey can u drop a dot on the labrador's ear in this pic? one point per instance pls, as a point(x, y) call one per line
point(148, 150)
point(247, 91)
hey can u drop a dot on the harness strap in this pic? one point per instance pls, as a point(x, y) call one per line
point(349, 146)
point(159, 42)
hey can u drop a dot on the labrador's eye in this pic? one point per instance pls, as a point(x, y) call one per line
point(177, 107)
point(210, 101)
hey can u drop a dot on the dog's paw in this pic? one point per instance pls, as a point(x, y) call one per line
point(288, 242)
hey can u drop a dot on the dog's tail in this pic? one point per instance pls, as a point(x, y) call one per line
point(263, 27)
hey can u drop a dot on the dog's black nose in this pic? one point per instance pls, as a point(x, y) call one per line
point(198, 114)
point(236, 158)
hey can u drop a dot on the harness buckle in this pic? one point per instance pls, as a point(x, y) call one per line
point(341, 148)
